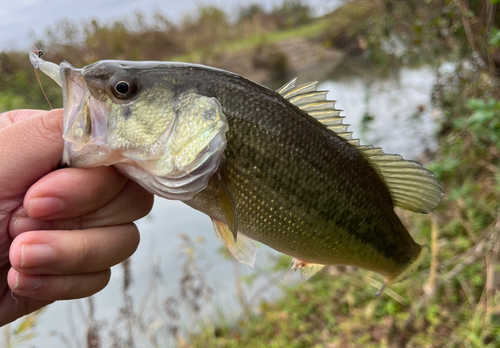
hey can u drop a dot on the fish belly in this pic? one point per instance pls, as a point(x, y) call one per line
point(312, 199)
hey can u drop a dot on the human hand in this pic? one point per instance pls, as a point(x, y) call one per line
point(60, 230)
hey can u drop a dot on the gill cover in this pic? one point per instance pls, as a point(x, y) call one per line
point(169, 141)
point(180, 163)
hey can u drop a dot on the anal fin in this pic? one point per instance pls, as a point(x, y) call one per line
point(243, 250)
point(307, 269)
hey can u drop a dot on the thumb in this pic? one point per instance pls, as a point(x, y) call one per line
point(31, 146)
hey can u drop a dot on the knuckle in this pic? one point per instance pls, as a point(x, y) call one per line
point(83, 285)
point(48, 126)
point(87, 252)
point(67, 288)
point(78, 223)
point(52, 121)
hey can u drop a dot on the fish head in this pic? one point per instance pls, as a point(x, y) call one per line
point(166, 136)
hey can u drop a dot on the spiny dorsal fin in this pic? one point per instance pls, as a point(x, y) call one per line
point(315, 104)
point(287, 86)
point(411, 186)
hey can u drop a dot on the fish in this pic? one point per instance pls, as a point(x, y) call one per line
point(276, 167)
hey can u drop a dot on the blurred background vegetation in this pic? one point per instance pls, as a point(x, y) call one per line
point(452, 302)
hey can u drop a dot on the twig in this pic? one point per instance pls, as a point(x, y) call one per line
point(466, 224)
point(242, 298)
point(468, 293)
point(431, 286)
point(272, 281)
point(391, 293)
point(466, 23)
point(490, 276)
point(491, 10)
point(490, 264)
point(93, 340)
point(474, 255)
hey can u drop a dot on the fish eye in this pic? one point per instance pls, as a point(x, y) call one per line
point(124, 89)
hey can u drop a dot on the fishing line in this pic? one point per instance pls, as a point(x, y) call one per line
point(40, 53)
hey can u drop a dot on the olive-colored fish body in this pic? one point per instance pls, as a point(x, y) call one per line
point(301, 189)
point(277, 167)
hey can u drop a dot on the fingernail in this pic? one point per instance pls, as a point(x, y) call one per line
point(44, 206)
point(27, 282)
point(36, 255)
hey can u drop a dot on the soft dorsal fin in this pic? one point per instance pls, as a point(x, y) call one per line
point(411, 186)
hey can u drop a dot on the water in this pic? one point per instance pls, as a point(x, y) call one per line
point(404, 118)
point(403, 122)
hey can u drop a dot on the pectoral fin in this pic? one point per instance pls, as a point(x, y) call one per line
point(243, 250)
point(228, 205)
point(307, 270)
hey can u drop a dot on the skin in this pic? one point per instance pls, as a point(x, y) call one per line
point(60, 229)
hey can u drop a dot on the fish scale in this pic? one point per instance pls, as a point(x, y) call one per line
point(278, 167)
point(266, 161)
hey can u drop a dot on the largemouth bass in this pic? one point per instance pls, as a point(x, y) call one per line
point(278, 167)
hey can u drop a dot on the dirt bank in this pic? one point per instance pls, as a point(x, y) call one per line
point(270, 63)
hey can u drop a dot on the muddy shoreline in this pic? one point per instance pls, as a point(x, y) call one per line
point(274, 63)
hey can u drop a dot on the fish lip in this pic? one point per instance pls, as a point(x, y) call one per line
point(84, 119)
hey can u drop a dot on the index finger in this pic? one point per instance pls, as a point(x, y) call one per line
point(30, 147)
point(10, 117)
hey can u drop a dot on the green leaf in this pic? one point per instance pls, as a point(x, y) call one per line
point(494, 37)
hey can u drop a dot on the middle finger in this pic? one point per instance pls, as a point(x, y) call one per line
point(71, 192)
point(77, 251)
point(132, 203)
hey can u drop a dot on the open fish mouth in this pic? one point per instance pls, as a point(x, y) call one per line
point(84, 115)
point(84, 121)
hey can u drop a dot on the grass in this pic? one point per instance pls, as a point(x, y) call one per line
point(248, 44)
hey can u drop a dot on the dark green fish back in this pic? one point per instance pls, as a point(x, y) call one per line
point(300, 188)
